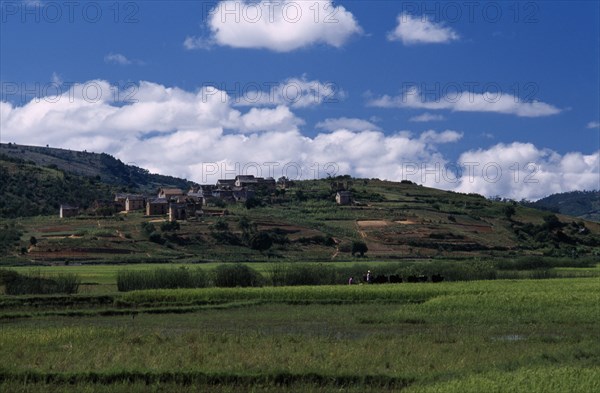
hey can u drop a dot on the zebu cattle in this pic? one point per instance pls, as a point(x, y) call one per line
point(437, 278)
point(380, 279)
point(395, 279)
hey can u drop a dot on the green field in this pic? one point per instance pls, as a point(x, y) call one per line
point(481, 336)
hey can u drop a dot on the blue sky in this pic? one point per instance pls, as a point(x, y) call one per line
point(412, 82)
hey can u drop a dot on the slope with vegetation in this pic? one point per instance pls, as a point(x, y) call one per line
point(582, 204)
point(102, 167)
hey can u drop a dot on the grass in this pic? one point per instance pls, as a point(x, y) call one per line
point(523, 336)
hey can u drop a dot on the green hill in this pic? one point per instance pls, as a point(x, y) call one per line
point(583, 204)
point(103, 167)
point(393, 220)
point(37, 180)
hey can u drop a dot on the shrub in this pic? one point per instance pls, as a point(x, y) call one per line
point(37, 284)
point(163, 278)
point(262, 241)
point(359, 247)
point(170, 226)
point(155, 237)
point(147, 228)
point(252, 203)
point(317, 239)
point(237, 275)
point(303, 274)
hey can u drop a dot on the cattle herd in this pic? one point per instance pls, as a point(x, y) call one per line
point(397, 279)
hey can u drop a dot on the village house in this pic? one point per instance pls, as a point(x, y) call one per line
point(120, 201)
point(242, 194)
point(68, 211)
point(223, 193)
point(170, 193)
point(134, 202)
point(256, 182)
point(106, 207)
point(283, 182)
point(157, 207)
point(343, 197)
point(195, 195)
point(177, 211)
point(225, 183)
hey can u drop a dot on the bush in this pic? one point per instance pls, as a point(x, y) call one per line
point(237, 275)
point(252, 203)
point(359, 247)
point(170, 226)
point(155, 237)
point(37, 284)
point(163, 278)
point(303, 274)
point(148, 228)
point(262, 241)
point(317, 239)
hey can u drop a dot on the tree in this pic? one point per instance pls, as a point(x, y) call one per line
point(248, 229)
point(170, 226)
point(252, 203)
point(262, 241)
point(359, 247)
point(509, 211)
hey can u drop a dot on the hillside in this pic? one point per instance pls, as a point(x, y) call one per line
point(582, 204)
point(36, 180)
point(303, 223)
point(27, 189)
point(103, 167)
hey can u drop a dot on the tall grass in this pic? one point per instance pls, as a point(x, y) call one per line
point(163, 278)
point(35, 283)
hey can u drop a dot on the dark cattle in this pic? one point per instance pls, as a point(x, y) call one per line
point(381, 279)
point(437, 278)
point(395, 279)
point(422, 278)
point(412, 279)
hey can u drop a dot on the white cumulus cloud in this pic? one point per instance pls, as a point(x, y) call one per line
point(593, 124)
point(426, 117)
point(280, 26)
point(203, 136)
point(293, 92)
point(413, 30)
point(345, 123)
point(522, 170)
point(467, 101)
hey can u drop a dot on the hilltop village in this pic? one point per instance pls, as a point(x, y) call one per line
point(178, 204)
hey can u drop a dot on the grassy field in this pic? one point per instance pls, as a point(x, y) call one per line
point(482, 336)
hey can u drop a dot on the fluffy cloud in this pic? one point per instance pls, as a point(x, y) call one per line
point(346, 123)
point(119, 59)
point(413, 30)
point(521, 170)
point(425, 117)
point(280, 26)
point(116, 58)
point(192, 43)
point(593, 124)
point(203, 136)
point(467, 101)
point(293, 92)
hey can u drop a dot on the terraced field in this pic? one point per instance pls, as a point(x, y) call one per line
point(500, 336)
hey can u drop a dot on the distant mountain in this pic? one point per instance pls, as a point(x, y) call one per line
point(582, 204)
point(36, 180)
